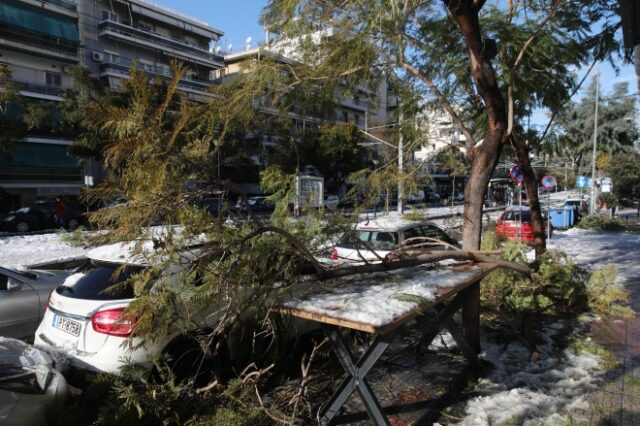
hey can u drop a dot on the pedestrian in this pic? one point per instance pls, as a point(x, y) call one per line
point(61, 212)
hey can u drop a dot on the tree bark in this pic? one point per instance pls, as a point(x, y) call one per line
point(530, 180)
point(484, 156)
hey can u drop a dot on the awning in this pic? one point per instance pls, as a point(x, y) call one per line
point(38, 21)
point(39, 155)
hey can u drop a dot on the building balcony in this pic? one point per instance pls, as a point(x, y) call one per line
point(189, 84)
point(33, 82)
point(65, 4)
point(169, 46)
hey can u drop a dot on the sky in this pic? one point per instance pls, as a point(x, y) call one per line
point(239, 20)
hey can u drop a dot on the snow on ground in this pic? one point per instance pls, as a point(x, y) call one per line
point(593, 249)
point(534, 393)
point(22, 251)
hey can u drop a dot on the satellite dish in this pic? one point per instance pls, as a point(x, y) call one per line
point(229, 47)
point(217, 49)
point(248, 40)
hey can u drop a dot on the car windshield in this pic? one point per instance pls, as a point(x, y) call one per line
point(102, 281)
point(515, 215)
point(378, 240)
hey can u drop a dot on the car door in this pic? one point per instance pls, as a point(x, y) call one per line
point(19, 306)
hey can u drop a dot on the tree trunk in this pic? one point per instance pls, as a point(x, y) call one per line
point(484, 156)
point(530, 180)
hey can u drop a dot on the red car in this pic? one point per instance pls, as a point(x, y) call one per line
point(514, 222)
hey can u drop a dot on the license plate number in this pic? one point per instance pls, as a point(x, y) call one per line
point(67, 325)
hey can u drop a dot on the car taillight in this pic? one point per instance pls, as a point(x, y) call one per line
point(334, 254)
point(113, 323)
point(499, 221)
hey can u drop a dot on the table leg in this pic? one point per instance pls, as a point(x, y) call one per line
point(356, 379)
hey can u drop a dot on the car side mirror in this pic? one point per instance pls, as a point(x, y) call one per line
point(13, 285)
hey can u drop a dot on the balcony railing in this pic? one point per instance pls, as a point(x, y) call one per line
point(34, 80)
point(65, 4)
point(145, 36)
point(124, 65)
point(38, 41)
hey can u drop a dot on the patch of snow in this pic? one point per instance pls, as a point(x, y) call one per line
point(532, 393)
point(378, 299)
point(595, 249)
point(21, 251)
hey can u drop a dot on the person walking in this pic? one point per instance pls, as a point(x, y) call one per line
point(61, 212)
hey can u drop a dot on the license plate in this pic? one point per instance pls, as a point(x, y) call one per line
point(68, 326)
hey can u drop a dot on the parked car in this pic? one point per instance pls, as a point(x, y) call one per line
point(331, 202)
point(41, 216)
point(431, 196)
point(29, 384)
point(373, 240)
point(258, 204)
point(515, 222)
point(23, 299)
point(416, 198)
point(85, 319)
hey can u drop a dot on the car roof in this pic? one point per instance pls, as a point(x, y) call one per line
point(141, 252)
point(386, 224)
point(517, 208)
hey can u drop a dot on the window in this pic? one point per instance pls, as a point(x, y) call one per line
point(356, 118)
point(112, 57)
point(356, 99)
point(345, 117)
point(53, 79)
point(146, 65)
point(109, 16)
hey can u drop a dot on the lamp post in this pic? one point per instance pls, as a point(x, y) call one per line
point(595, 143)
point(400, 149)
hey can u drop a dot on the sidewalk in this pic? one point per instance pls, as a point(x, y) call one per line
point(617, 401)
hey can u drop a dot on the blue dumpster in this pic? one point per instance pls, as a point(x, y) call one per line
point(563, 217)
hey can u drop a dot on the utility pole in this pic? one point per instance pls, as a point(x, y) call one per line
point(400, 163)
point(595, 144)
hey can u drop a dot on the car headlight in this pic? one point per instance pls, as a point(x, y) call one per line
point(9, 218)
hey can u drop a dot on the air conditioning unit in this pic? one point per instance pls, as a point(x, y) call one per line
point(67, 69)
point(97, 56)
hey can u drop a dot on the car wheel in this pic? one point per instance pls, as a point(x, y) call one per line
point(73, 224)
point(22, 226)
point(190, 362)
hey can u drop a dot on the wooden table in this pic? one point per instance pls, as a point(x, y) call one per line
point(380, 304)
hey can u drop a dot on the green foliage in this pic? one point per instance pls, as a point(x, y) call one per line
point(624, 170)
point(75, 238)
point(415, 215)
point(601, 222)
point(135, 397)
point(617, 130)
point(605, 296)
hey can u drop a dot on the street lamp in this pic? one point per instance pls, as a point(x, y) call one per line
point(595, 143)
point(400, 160)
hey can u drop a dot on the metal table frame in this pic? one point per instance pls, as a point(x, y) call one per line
point(357, 371)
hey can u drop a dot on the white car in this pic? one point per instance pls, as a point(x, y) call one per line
point(372, 240)
point(85, 321)
point(331, 202)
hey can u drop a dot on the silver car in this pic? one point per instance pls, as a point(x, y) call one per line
point(24, 296)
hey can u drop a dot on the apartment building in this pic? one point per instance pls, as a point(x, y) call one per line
point(117, 33)
point(366, 106)
point(40, 40)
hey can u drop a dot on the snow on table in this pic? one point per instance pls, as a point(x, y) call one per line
point(374, 302)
